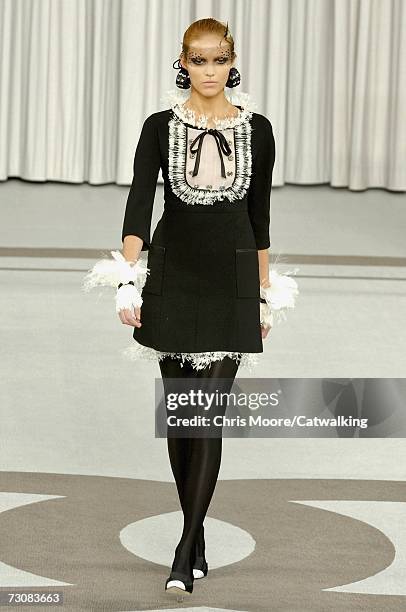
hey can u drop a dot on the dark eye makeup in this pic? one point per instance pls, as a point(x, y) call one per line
point(199, 60)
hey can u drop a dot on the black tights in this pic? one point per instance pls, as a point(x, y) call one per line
point(195, 462)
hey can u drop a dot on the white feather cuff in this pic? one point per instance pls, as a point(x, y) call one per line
point(280, 296)
point(111, 272)
point(129, 297)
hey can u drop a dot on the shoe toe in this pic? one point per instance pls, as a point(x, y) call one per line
point(198, 574)
point(176, 583)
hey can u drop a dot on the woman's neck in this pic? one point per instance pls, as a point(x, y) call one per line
point(217, 107)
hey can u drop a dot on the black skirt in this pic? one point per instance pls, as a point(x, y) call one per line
point(202, 292)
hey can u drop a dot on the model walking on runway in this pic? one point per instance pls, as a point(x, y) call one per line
point(198, 311)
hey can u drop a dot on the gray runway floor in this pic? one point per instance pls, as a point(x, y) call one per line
point(79, 461)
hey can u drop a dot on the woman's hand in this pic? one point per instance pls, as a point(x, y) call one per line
point(130, 316)
point(128, 304)
point(265, 330)
point(266, 326)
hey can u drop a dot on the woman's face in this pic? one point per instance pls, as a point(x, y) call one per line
point(208, 64)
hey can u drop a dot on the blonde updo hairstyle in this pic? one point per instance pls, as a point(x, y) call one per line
point(207, 26)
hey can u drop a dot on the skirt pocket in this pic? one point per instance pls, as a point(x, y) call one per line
point(156, 265)
point(247, 272)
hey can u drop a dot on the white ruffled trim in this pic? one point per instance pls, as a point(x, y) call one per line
point(178, 134)
point(197, 360)
point(196, 195)
point(175, 98)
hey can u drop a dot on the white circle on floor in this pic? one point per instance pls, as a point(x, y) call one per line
point(155, 538)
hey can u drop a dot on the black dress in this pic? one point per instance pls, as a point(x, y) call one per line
point(201, 297)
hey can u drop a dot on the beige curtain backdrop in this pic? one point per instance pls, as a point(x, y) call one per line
point(78, 78)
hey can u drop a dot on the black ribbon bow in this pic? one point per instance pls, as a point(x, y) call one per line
point(222, 147)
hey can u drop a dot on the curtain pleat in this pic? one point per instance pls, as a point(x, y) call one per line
point(78, 78)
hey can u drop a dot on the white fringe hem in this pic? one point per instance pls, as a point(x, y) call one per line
point(198, 361)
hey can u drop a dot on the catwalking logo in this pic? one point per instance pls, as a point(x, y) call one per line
point(303, 421)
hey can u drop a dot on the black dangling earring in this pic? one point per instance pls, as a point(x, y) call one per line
point(234, 78)
point(182, 78)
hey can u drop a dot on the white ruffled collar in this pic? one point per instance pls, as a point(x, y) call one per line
point(175, 98)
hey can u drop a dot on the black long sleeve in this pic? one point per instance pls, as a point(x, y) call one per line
point(259, 194)
point(140, 201)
